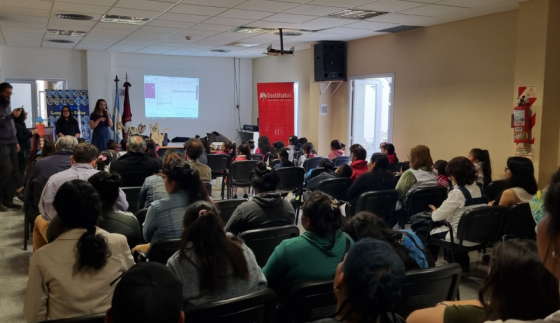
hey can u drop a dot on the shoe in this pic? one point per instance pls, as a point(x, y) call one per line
point(12, 205)
point(3, 208)
point(234, 197)
point(245, 196)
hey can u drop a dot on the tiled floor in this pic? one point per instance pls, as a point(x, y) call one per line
point(14, 264)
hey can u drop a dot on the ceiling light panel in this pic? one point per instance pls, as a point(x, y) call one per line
point(357, 14)
point(65, 32)
point(134, 13)
point(240, 44)
point(125, 19)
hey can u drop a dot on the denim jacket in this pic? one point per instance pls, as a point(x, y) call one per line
point(152, 190)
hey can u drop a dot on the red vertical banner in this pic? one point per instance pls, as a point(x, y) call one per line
point(276, 110)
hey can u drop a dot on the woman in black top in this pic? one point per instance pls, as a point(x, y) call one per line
point(24, 141)
point(67, 125)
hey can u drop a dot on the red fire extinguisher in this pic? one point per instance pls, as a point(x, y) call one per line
point(522, 122)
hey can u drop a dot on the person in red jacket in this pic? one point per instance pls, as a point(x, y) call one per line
point(389, 150)
point(359, 163)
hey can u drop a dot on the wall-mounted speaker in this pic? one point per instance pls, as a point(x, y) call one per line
point(330, 61)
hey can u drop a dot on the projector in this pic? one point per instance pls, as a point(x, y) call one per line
point(279, 52)
point(250, 128)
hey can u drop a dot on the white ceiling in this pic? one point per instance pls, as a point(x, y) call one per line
point(209, 22)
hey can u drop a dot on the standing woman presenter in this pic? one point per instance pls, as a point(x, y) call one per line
point(100, 121)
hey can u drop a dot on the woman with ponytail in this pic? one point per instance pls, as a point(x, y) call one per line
point(211, 264)
point(72, 275)
point(315, 254)
point(266, 209)
point(481, 160)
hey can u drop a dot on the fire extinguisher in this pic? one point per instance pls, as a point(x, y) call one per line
point(522, 122)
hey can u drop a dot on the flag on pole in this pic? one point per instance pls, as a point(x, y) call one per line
point(118, 111)
point(126, 114)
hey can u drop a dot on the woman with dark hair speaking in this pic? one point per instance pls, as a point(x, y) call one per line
point(100, 122)
point(67, 125)
point(72, 275)
point(520, 185)
point(211, 264)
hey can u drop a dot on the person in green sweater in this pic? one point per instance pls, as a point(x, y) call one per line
point(316, 253)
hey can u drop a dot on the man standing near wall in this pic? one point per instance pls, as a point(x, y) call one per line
point(9, 169)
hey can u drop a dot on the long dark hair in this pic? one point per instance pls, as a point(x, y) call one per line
point(483, 156)
point(264, 145)
point(21, 118)
point(522, 175)
point(336, 145)
point(150, 151)
point(244, 149)
point(285, 155)
point(381, 167)
point(308, 146)
point(264, 179)
point(324, 214)
point(107, 186)
point(97, 104)
point(188, 179)
point(71, 118)
point(518, 286)
point(230, 148)
point(77, 204)
point(391, 151)
point(48, 149)
point(368, 225)
point(204, 229)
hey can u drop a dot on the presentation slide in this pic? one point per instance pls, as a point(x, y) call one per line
point(171, 97)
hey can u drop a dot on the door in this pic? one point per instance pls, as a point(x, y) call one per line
point(23, 97)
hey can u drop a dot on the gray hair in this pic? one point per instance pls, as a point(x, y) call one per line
point(66, 143)
point(136, 144)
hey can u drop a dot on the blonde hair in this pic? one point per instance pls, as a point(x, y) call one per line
point(420, 157)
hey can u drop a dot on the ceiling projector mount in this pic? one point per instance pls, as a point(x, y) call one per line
point(279, 52)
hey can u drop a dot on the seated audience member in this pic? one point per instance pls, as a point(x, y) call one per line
point(112, 149)
point(112, 220)
point(520, 186)
point(164, 217)
point(293, 143)
point(377, 179)
point(193, 150)
point(47, 151)
point(466, 195)
point(266, 209)
point(244, 153)
point(344, 171)
point(481, 160)
point(228, 148)
point(308, 151)
point(382, 146)
point(337, 149)
point(40, 172)
point(389, 150)
point(353, 147)
point(518, 287)
point(83, 159)
point(263, 147)
point(359, 164)
point(134, 167)
point(151, 152)
point(148, 292)
point(315, 254)
point(367, 284)
point(71, 276)
point(153, 188)
point(211, 264)
point(284, 157)
point(442, 179)
point(404, 242)
point(103, 161)
point(123, 149)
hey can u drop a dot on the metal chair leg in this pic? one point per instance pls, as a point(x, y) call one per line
point(25, 232)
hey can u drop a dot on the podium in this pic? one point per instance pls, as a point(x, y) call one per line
point(248, 135)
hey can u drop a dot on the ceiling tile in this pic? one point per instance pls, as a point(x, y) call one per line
point(215, 3)
point(390, 5)
point(116, 26)
point(196, 10)
point(245, 14)
point(347, 31)
point(313, 10)
point(107, 3)
point(181, 38)
point(275, 25)
point(286, 17)
point(181, 52)
point(198, 47)
point(322, 23)
point(210, 27)
point(338, 3)
point(433, 10)
point(182, 17)
point(271, 6)
point(370, 25)
point(229, 21)
point(31, 4)
point(170, 24)
point(144, 5)
point(20, 24)
point(34, 43)
point(168, 44)
point(93, 45)
point(160, 29)
point(79, 8)
point(26, 29)
point(67, 25)
point(15, 11)
point(402, 19)
point(200, 32)
point(134, 13)
point(468, 3)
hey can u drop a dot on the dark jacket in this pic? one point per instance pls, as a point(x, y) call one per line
point(67, 128)
point(265, 210)
point(134, 168)
point(23, 135)
point(7, 127)
point(370, 181)
point(38, 176)
point(314, 182)
point(124, 223)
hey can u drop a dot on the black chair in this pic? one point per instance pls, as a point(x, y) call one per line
point(342, 160)
point(226, 208)
point(419, 200)
point(316, 172)
point(291, 179)
point(494, 189)
point(479, 225)
point(258, 157)
point(426, 287)
point(519, 222)
point(274, 162)
point(96, 318)
point(336, 187)
point(395, 167)
point(239, 174)
point(381, 203)
point(263, 241)
point(311, 301)
point(311, 163)
point(162, 250)
point(132, 195)
point(219, 165)
point(259, 307)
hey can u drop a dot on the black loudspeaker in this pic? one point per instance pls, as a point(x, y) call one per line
point(330, 61)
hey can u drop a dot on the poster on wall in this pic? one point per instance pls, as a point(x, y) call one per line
point(276, 110)
point(77, 101)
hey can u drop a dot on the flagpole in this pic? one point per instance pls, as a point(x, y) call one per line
point(116, 113)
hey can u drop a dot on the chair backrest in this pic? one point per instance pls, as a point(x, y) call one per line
point(162, 250)
point(420, 199)
point(481, 224)
point(226, 208)
point(263, 241)
point(311, 163)
point(274, 162)
point(381, 203)
point(336, 187)
point(132, 195)
point(141, 217)
point(218, 163)
point(341, 160)
point(518, 221)
point(426, 287)
point(316, 171)
point(96, 318)
point(311, 301)
point(494, 189)
point(395, 167)
point(208, 188)
point(259, 307)
point(258, 157)
point(291, 178)
point(240, 171)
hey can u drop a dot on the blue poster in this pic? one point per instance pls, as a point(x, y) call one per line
point(77, 101)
